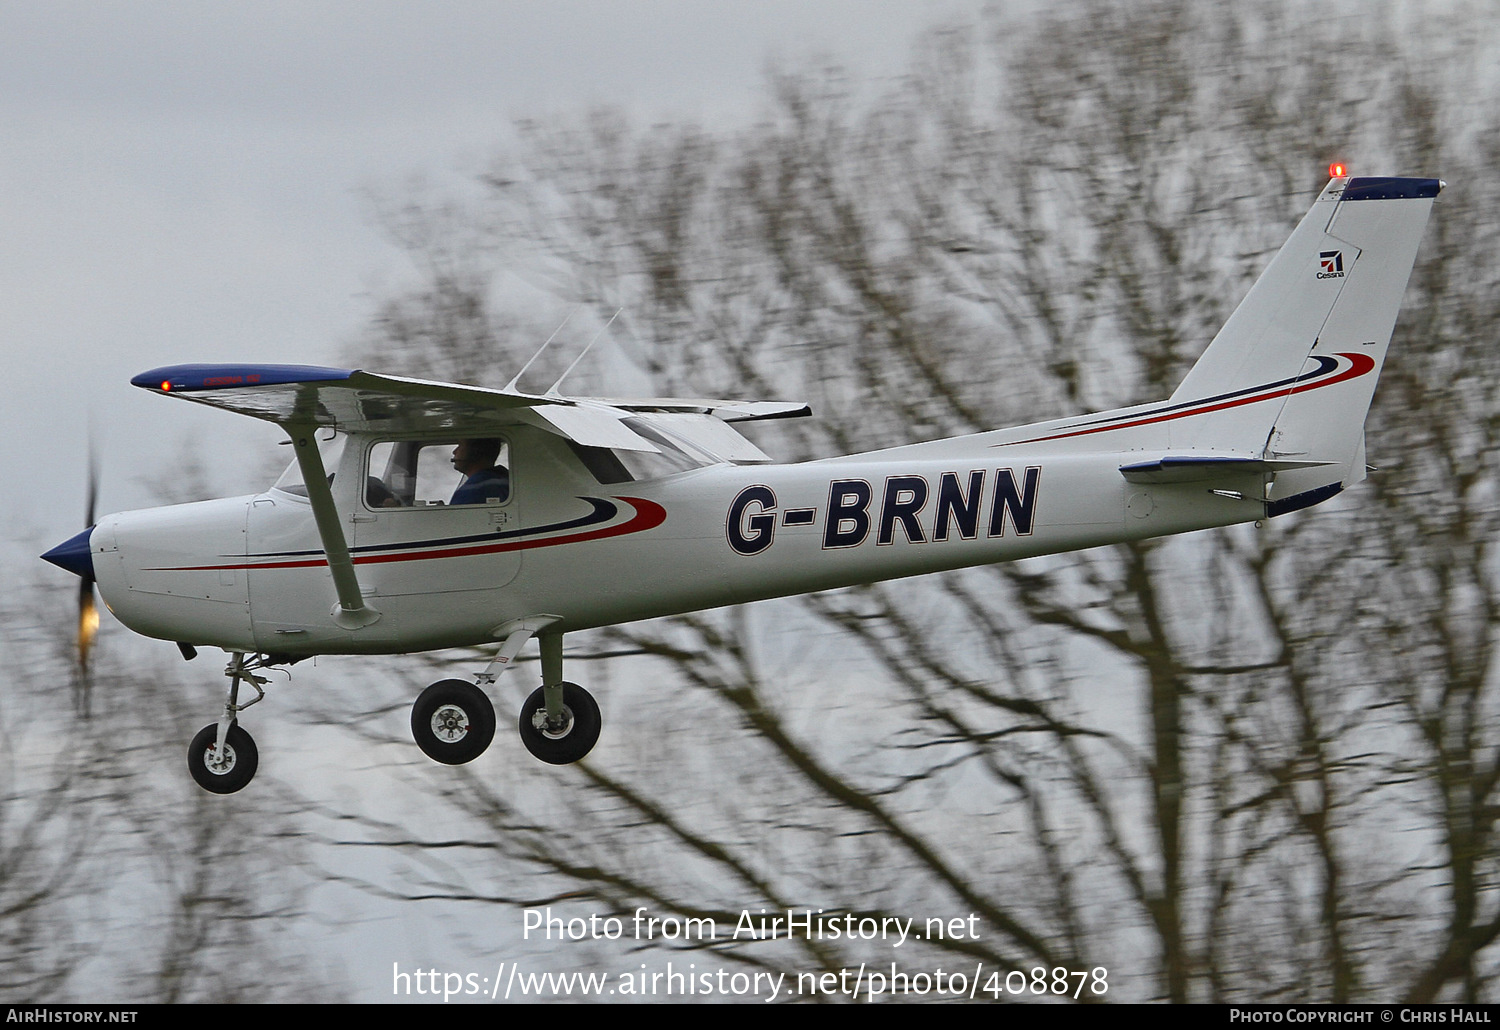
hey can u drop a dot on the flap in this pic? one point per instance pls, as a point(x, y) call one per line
point(725, 411)
point(594, 427)
point(707, 433)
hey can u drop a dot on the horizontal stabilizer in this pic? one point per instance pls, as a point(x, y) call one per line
point(1198, 468)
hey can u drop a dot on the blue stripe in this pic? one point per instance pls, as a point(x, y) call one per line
point(1371, 187)
point(1325, 365)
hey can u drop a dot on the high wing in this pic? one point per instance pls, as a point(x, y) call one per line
point(353, 400)
point(304, 398)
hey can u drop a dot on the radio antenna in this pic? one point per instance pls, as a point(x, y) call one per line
point(512, 384)
point(552, 392)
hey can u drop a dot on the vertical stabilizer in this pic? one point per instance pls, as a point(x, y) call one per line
point(1291, 374)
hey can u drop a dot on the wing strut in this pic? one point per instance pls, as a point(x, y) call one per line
point(351, 611)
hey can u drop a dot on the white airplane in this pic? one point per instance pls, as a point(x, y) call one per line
point(570, 513)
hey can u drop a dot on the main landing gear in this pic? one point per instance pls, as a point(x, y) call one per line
point(222, 757)
point(453, 721)
point(568, 736)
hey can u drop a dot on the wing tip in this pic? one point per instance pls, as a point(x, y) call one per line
point(188, 378)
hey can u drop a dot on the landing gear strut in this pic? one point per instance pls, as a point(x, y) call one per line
point(222, 757)
point(560, 722)
point(571, 736)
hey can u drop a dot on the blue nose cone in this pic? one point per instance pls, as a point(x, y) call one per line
point(73, 554)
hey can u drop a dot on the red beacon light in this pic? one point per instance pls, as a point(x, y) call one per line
point(1337, 170)
point(166, 386)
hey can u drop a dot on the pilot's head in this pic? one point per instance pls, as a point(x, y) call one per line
point(471, 456)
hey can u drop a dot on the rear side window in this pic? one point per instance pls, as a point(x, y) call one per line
point(603, 464)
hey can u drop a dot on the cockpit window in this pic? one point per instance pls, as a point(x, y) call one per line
point(330, 448)
point(436, 473)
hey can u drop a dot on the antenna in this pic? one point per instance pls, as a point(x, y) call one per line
point(512, 384)
point(552, 391)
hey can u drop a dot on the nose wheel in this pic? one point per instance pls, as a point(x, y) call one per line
point(568, 737)
point(453, 722)
point(222, 770)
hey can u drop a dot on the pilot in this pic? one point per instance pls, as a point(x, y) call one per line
point(484, 480)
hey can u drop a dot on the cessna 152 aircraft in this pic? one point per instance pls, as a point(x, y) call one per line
point(581, 512)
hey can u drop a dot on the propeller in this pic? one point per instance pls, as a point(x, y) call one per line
point(75, 555)
point(88, 607)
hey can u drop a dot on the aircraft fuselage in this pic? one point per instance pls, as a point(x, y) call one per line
point(249, 573)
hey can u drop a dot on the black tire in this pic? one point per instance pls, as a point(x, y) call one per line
point(453, 722)
point(240, 759)
point(576, 739)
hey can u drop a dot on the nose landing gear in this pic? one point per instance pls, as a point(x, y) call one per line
point(222, 768)
point(222, 757)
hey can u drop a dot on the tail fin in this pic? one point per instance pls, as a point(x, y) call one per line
point(1291, 374)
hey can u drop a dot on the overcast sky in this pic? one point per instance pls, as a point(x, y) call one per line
point(185, 181)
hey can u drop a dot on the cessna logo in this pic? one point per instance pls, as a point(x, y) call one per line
point(1332, 262)
point(900, 508)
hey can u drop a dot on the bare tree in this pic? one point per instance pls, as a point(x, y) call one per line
point(120, 881)
point(1244, 766)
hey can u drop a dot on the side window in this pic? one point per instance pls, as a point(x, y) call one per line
point(435, 473)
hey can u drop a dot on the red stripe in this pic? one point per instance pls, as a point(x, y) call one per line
point(1359, 364)
point(648, 515)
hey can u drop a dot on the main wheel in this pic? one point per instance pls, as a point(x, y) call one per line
point(572, 740)
point(226, 773)
point(453, 722)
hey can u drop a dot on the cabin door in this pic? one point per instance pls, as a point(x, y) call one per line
point(421, 527)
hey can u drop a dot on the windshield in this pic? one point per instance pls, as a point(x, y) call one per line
point(330, 447)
